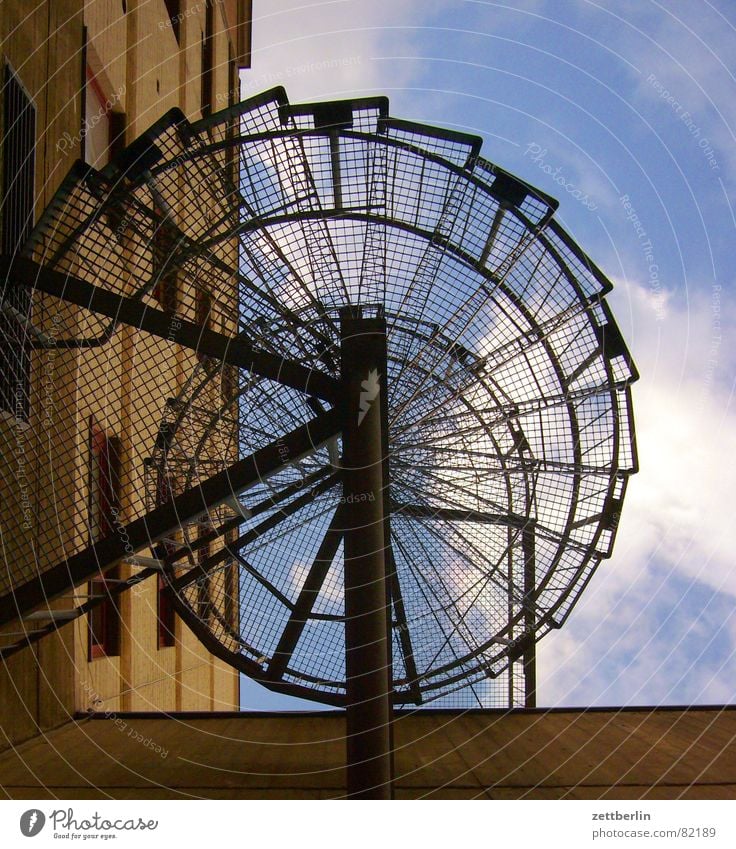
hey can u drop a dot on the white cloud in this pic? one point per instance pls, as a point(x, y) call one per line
point(328, 48)
point(646, 627)
point(638, 628)
point(686, 49)
point(679, 507)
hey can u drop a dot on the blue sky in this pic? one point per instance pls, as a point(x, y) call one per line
point(626, 112)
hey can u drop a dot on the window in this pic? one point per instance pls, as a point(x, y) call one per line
point(104, 489)
point(204, 314)
point(231, 586)
point(165, 613)
point(18, 189)
point(19, 144)
point(104, 619)
point(103, 506)
point(233, 95)
point(229, 384)
point(166, 616)
point(163, 243)
point(233, 98)
point(204, 604)
point(104, 127)
point(173, 8)
point(207, 52)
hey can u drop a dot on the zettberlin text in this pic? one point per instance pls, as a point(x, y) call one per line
point(618, 815)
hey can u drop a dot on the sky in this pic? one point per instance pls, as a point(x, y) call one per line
point(625, 111)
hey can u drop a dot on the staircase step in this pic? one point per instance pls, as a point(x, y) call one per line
point(52, 615)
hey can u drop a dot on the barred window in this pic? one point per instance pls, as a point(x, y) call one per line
point(18, 184)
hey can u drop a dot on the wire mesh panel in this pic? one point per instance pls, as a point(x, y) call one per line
point(510, 430)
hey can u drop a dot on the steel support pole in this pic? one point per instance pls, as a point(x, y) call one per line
point(367, 655)
point(530, 653)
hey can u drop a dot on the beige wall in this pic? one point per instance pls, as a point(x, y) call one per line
point(630, 753)
point(37, 685)
point(136, 58)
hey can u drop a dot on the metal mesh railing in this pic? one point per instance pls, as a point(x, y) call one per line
point(509, 406)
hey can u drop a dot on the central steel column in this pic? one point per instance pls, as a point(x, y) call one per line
point(528, 548)
point(367, 655)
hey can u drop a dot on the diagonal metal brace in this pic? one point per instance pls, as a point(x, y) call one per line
point(308, 595)
point(234, 350)
point(163, 520)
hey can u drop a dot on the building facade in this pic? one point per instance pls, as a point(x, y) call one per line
point(81, 81)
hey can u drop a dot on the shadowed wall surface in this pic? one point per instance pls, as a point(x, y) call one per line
point(639, 753)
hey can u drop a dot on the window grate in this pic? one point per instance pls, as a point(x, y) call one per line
point(18, 168)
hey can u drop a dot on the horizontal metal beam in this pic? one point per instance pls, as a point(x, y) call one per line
point(169, 326)
point(167, 518)
point(449, 514)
